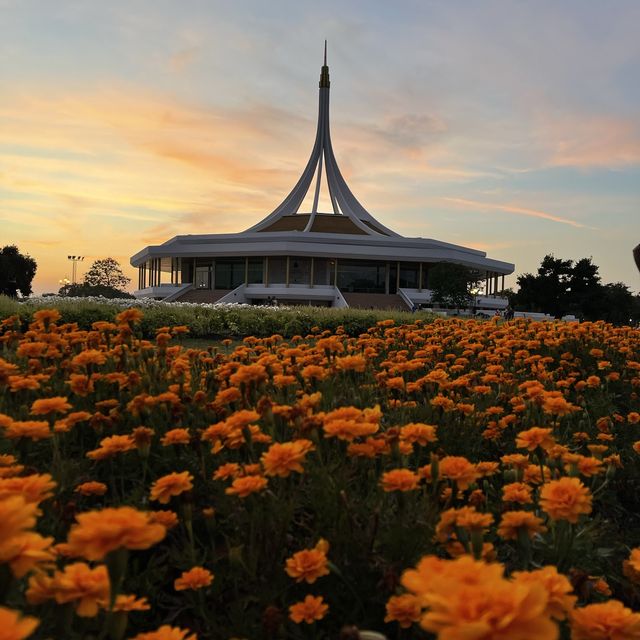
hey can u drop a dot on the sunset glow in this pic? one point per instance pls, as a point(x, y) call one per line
point(508, 127)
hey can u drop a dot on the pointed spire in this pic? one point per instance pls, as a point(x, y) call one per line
point(324, 72)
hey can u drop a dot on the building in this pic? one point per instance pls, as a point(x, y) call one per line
point(344, 257)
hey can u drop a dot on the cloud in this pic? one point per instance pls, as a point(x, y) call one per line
point(523, 211)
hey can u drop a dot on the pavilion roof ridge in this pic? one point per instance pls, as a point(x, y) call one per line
point(322, 158)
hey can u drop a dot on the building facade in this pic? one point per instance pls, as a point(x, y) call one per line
point(344, 257)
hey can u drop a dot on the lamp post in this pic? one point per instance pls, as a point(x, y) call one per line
point(74, 260)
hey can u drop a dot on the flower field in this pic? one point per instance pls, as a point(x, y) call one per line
point(458, 480)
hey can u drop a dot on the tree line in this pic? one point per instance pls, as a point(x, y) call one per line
point(560, 286)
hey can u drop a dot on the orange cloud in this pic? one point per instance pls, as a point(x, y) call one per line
point(487, 206)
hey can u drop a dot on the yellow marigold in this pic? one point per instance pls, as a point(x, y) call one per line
point(466, 598)
point(535, 437)
point(631, 567)
point(168, 519)
point(459, 470)
point(195, 578)
point(312, 608)
point(517, 492)
point(88, 588)
point(176, 436)
point(246, 485)
point(32, 429)
point(404, 609)
point(130, 603)
point(283, 458)
point(97, 533)
point(565, 499)
point(112, 446)
point(92, 488)
point(417, 432)
point(165, 632)
point(173, 484)
point(514, 521)
point(558, 587)
point(309, 564)
point(14, 626)
point(609, 620)
point(31, 551)
point(45, 406)
point(400, 480)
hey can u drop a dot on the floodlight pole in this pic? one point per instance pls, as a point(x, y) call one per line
point(74, 268)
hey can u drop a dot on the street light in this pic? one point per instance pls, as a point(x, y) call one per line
point(75, 260)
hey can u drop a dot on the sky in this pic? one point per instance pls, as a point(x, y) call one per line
point(507, 126)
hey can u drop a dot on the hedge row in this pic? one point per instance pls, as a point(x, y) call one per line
point(213, 321)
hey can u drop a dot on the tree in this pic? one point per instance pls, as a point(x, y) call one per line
point(451, 284)
point(86, 290)
point(16, 272)
point(564, 286)
point(106, 273)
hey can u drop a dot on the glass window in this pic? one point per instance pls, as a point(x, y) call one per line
point(408, 275)
point(256, 266)
point(361, 276)
point(229, 274)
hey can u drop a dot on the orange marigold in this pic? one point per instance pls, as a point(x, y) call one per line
point(176, 436)
point(88, 588)
point(165, 632)
point(467, 598)
point(14, 626)
point(604, 621)
point(514, 521)
point(92, 488)
point(631, 567)
point(312, 608)
point(404, 609)
point(283, 458)
point(246, 485)
point(565, 499)
point(400, 480)
point(535, 437)
point(130, 603)
point(45, 406)
point(111, 446)
point(168, 519)
point(30, 551)
point(32, 429)
point(97, 533)
point(417, 432)
point(173, 484)
point(459, 470)
point(517, 492)
point(558, 587)
point(16, 517)
point(195, 578)
point(309, 564)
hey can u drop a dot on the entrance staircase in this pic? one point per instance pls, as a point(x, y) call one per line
point(390, 302)
point(203, 296)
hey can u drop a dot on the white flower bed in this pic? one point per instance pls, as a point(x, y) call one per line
point(146, 303)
